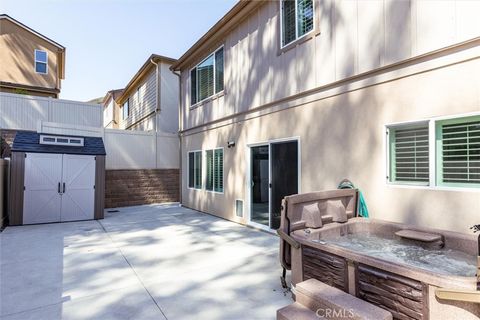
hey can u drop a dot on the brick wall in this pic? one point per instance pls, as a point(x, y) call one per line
point(125, 188)
point(6, 141)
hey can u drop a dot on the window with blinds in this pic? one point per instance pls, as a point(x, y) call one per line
point(214, 159)
point(209, 159)
point(195, 169)
point(304, 16)
point(218, 170)
point(207, 78)
point(219, 70)
point(297, 19)
point(458, 158)
point(409, 155)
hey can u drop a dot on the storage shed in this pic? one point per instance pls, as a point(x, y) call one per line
point(56, 178)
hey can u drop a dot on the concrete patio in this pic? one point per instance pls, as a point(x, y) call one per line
point(146, 262)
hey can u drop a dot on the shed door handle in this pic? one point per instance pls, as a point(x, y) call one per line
point(64, 187)
point(58, 187)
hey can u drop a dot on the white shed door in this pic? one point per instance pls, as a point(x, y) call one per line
point(43, 174)
point(78, 198)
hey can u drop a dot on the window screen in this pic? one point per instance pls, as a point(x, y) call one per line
point(288, 21)
point(459, 158)
point(304, 16)
point(209, 159)
point(409, 155)
point(219, 70)
point(195, 169)
point(193, 86)
point(205, 78)
point(125, 110)
point(218, 170)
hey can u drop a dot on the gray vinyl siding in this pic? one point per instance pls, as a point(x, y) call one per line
point(145, 103)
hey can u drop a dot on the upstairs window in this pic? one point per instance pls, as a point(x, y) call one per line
point(297, 18)
point(41, 62)
point(409, 155)
point(214, 170)
point(458, 152)
point(195, 169)
point(206, 79)
point(125, 110)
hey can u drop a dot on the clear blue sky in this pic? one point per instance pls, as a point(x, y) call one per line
point(108, 41)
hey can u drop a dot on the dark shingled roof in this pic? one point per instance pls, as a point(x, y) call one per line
point(28, 141)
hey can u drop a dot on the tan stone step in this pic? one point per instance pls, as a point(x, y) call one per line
point(336, 304)
point(296, 311)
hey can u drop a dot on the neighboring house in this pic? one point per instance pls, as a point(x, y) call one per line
point(30, 63)
point(283, 97)
point(111, 109)
point(151, 98)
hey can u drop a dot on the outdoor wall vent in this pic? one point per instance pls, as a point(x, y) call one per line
point(239, 208)
point(61, 140)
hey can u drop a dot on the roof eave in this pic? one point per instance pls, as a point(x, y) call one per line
point(144, 69)
point(38, 34)
point(237, 13)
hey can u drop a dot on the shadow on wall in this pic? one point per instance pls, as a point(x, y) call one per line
point(347, 124)
point(23, 51)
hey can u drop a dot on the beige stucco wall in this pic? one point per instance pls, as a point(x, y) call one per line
point(342, 135)
point(17, 56)
point(353, 36)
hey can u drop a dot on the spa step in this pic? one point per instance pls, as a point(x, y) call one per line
point(316, 295)
point(296, 311)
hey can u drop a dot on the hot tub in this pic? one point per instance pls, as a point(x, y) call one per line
point(380, 262)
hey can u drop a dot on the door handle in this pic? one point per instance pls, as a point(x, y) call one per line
point(58, 190)
point(63, 187)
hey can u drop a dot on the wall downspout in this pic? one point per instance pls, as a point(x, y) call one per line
point(157, 108)
point(180, 129)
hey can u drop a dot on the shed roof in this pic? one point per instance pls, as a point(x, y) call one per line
point(28, 141)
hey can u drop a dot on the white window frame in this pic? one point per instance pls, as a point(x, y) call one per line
point(192, 105)
point(201, 170)
point(123, 110)
point(43, 140)
point(432, 124)
point(296, 24)
point(388, 132)
point(213, 171)
point(35, 59)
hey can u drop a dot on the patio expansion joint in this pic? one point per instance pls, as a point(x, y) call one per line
point(131, 267)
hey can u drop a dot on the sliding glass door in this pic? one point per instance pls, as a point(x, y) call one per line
point(274, 175)
point(260, 185)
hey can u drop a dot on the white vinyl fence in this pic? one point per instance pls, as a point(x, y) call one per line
point(127, 149)
point(22, 112)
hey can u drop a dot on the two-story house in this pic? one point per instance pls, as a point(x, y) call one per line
point(148, 102)
point(30, 63)
point(289, 96)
